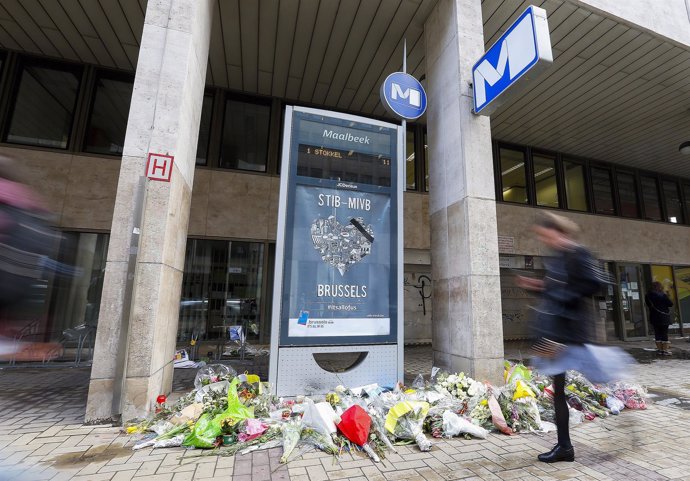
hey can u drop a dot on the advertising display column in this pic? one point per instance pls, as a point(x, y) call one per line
point(339, 252)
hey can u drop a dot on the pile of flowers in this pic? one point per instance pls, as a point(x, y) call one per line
point(228, 413)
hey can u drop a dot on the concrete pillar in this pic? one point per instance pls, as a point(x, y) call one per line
point(133, 361)
point(467, 332)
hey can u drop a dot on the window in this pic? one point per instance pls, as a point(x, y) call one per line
point(105, 133)
point(245, 136)
point(627, 193)
point(204, 130)
point(44, 106)
point(674, 207)
point(603, 194)
point(410, 171)
point(575, 191)
point(545, 180)
point(650, 198)
point(65, 308)
point(513, 175)
point(222, 286)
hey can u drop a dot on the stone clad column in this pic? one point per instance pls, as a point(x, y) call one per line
point(133, 360)
point(467, 331)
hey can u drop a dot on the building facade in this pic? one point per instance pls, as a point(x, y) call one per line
point(88, 90)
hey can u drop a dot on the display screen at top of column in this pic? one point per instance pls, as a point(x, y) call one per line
point(343, 165)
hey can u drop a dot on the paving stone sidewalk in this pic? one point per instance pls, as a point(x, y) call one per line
point(42, 438)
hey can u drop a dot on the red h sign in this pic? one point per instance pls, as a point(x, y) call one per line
point(159, 167)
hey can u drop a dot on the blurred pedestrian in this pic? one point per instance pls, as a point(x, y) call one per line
point(659, 306)
point(563, 318)
point(26, 242)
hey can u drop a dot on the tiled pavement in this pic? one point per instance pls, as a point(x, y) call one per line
point(42, 438)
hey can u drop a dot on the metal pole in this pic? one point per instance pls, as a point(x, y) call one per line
point(404, 122)
point(123, 343)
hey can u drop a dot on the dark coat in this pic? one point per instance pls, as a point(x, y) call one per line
point(658, 304)
point(565, 312)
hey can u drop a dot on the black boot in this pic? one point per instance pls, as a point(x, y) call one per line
point(558, 453)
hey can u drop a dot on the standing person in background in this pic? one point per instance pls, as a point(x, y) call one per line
point(659, 306)
point(563, 320)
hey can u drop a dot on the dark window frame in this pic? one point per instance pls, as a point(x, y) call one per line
point(559, 177)
point(241, 97)
point(662, 208)
point(117, 75)
point(81, 72)
point(208, 92)
point(684, 186)
point(664, 203)
point(499, 173)
point(612, 186)
point(585, 178)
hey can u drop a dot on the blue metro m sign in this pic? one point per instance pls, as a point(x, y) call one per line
point(521, 53)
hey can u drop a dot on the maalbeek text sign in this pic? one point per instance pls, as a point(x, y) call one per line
point(340, 249)
point(521, 54)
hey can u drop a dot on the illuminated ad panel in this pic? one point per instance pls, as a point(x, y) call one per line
point(340, 256)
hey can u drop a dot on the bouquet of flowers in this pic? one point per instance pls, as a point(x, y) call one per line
point(213, 373)
point(355, 424)
point(460, 385)
point(481, 414)
point(633, 396)
point(292, 432)
point(453, 425)
point(405, 421)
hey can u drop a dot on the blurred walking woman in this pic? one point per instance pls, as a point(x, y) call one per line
point(659, 316)
point(563, 323)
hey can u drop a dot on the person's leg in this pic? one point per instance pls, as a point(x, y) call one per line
point(658, 339)
point(665, 344)
point(563, 451)
point(561, 407)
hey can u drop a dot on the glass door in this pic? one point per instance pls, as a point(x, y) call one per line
point(632, 310)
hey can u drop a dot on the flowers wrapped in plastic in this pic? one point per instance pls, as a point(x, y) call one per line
point(405, 421)
point(292, 432)
point(209, 427)
point(355, 424)
point(213, 373)
point(454, 425)
point(634, 396)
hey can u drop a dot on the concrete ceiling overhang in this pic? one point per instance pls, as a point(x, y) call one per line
point(615, 92)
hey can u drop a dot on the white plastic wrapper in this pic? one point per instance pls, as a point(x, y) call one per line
point(547, 427)
point(162, 427)
point(320, 416)
point(161, 443)
point(213, 373)
point(221, 387)
point(614, 404)
point(454, 425)
point(576, 417)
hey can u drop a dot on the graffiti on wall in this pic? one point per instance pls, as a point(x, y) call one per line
point(423, 285)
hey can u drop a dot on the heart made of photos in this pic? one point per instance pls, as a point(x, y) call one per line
point(342, 245)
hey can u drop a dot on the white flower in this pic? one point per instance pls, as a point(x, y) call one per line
point(452, 379)
point(473, 389)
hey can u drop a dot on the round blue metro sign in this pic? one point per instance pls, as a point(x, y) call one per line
point(403, 96)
